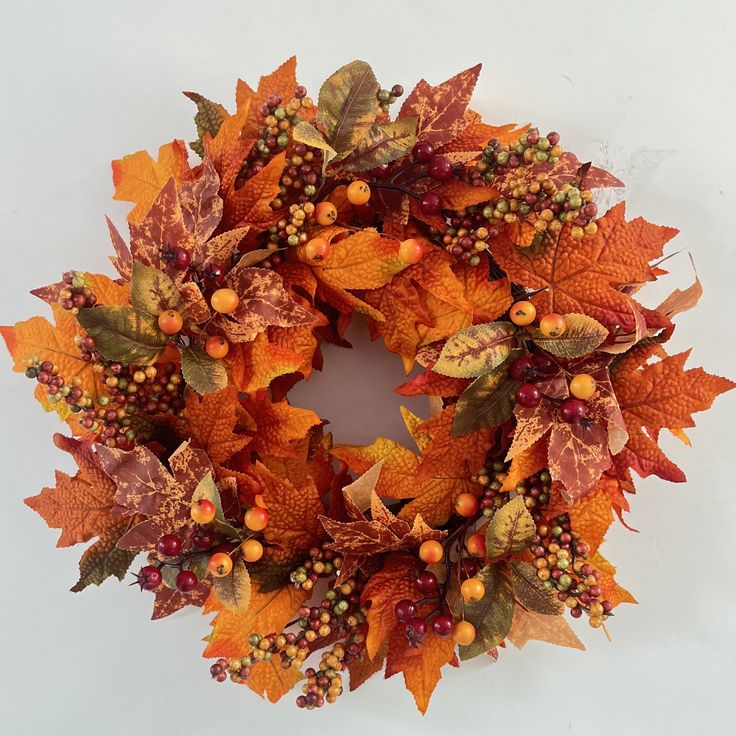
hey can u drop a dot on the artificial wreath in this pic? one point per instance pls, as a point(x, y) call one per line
point(473, 250)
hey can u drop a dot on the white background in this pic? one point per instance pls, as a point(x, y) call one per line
point(82, 83)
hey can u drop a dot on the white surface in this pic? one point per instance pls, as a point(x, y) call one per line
point(85, 82)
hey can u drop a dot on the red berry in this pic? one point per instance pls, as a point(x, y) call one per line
point(415, 628)
point(423, 151)
point(169, 545)
point(430, 204)
point(397, 90)
point(469, 567)
point(202, 539)
point(215, 274)
point(442, 625)
point(553, 137)
point(180, 258)
point(573, 410)
point(405, 610)
point(426, 582)
point(149, 577)
point(440, 168)
point(528, 395)
point(186, 581)
point(544, 363)
point(521, 368)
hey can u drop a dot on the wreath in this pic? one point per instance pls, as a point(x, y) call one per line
point(475, 252)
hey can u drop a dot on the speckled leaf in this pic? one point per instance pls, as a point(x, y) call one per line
point(194, 304)
point(152, 291)
point(382, 145)
point(530, 590)
point(104, 559)
point(123, 334)
point(208, 119)
point(233, 590)
point(201, 205)
point(582, 335)
point(510, 529)
point(204, 374)
point(220, 249)
point(476, 350)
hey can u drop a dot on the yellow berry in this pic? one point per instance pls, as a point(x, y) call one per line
point(220, 564)
point(170, 322)
point(358, 192)
point(252, 550)
point(325, 213)
point(224, 301)
point(523, 313)
point(463, 633)
point(552, 325)
point(472, 590)
point(431, 551)
point(582, 386)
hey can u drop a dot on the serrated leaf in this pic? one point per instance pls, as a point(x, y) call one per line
point(383, 144)
point(492, 615)
point(582, 335)
point(531, 592)
point(348, 106)
point(204, 374)
point(234, 590)
point(510, 529)
point(123, 334)
point(476, 350)
point(307, 134)
point(208, 119)
point(152, 291)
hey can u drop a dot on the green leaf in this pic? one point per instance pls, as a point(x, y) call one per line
point(234, 590)
point(306, 133)
point(123, 334)
point(198, 564)
point(103, 559)
point(531, 592)
point(152, 291)
point(492, 615)
point(476, 350)
point(348, 106)
point(510, 530)
point(207, 490)
point(208, 119)
point(204, 374)
point(382, 145)
point(488, 401)
point(582, 335)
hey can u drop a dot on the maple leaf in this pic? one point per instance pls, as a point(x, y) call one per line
point(168, 600)
point(659, 395)
point(529, 625)
point(525, 464)
point(104, 288)
point(269, 680)
point(139, 179)
point(253, 365)
point(471, 142)
point(440, 110)
point(612, 591)
point(201, 208)
point(362, 667)
point(457, 194)
point(281, 81)
point(429, 383)
point(584, 276)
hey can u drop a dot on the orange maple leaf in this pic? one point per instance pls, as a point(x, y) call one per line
point(269, 680)
point(253, 365)
point(139, 179)
point(612, 591)
point(525, 464)
point(551, 629)
point(584, 276)
point(281, 81)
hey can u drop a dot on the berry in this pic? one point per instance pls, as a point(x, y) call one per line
point(202, 539)
point(528, 395)
point(359, 192)
point(521, 368)
point(325, 213)
point(573, 410)
point(214, 274)
point(169, 545)
point(523, 313)
point(411, 251)
point(476, 545)
point(149, 577)
point(431, 551)
point(466, 504)
point(252, 550)
point(217, 347)
point(442, 625)
point(472, 590)
point(430, 204)
point(463, 633)
point(224, 301)
point(468, 567)
point(426, 582)
point(423, 151)
point(317, 249)
point(544, 363)
point(186, 581)
point(202, 511)
point(405, 610)
point(256, 518)
point(220, 564)
point(552, 325)
point(180, 258)
point(582, 386)
point(414, 629)
point(439, 168)
point(170, 322)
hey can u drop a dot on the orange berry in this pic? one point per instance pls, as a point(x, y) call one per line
point(552, 325)
point(203, 511)
point(476, 545)
point(582, 386)
point(411, 251)
point(523, 313)
point(466, 504)
point(252, 550)
point(463, 633)
point(217, 347)
point(220, 565)
point(224, 301)
point(317, 249)
point(359, 192)
point(256, 518)
point(431, 551)
point(472, 590)
point(170, 322)
point(325, 213)
point(260, 502)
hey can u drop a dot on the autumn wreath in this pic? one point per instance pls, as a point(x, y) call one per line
point(476, 251)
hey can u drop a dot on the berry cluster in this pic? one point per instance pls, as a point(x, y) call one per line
point(322, 562)
point(301, 176)
point(438, 615)
point(75, 295)
point(387, 97)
